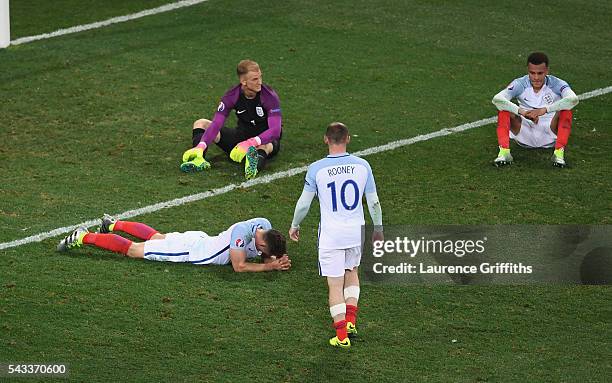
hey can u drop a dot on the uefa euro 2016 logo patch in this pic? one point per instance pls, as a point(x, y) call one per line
point(239, 242)
point(221, 107)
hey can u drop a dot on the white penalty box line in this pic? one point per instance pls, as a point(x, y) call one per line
point(111, 21)
point(269, 178)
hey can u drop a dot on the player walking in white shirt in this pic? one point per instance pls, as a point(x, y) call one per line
point(543, 116)
point(240, 242)
point(340, 181)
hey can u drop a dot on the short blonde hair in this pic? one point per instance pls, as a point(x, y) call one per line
point(246, 66)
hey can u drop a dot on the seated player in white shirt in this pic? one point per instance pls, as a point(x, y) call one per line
point(240, 242)
point(543, 116)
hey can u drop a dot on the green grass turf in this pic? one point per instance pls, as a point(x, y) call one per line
point(96, 122)
point(34, 17)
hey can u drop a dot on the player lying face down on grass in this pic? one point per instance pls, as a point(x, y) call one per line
point(259, 131)
point(543, 116)
point(239, 243)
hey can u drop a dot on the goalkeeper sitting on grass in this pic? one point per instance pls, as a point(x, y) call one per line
point(259, 131)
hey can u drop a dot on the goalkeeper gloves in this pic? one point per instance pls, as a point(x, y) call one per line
point(195, 152)
point(237, 154)
point(193, 159)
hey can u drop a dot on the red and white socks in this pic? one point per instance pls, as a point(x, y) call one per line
point(137, 229)
point(112, 242)
point(564, 128)
point(338, 312)
point(117, 243)
point(503, 129)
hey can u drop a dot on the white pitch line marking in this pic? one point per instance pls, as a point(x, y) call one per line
point(114, 20)
point(270, 177)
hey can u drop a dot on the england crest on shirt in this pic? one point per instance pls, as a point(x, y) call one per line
point(548, 98)
point(259, 110)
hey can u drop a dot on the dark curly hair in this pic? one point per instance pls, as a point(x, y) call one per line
point(537, 58)
point(277, 244)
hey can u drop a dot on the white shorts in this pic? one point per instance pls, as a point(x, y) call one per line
point(333, 262)
point(176, 247)
point(534, 135)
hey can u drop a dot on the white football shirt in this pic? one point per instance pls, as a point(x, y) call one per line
point(241, 236)
point(528, 99)
point(340, 182)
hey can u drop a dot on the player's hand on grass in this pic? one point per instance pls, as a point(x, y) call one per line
point(282, 263)
point(237, 154)
point(194, 153)
point(294, 233)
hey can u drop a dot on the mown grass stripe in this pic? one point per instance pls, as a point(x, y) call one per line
point(105, 23)
point(270, 177)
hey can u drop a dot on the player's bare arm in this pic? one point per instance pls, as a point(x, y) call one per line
point(239, 263)
point(376, 215)
point(301, 210)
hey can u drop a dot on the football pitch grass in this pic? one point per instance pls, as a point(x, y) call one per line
point(97, 121)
